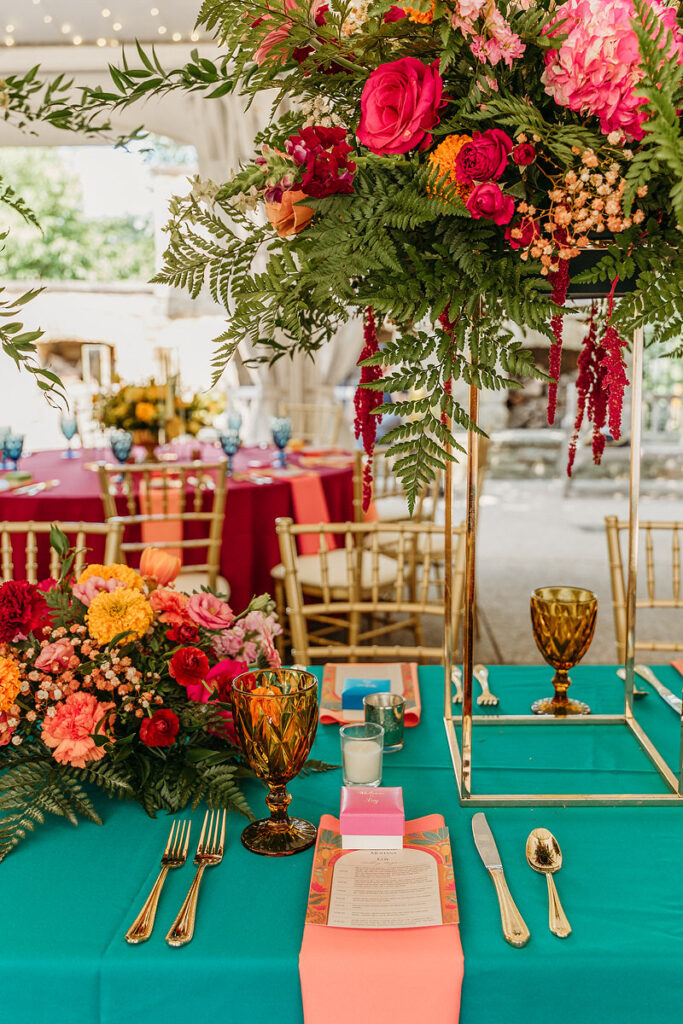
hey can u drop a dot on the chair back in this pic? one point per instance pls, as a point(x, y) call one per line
point(12, 534)
point(364, 580)
point(314, 423)
point(190, 494)
point(662, 543)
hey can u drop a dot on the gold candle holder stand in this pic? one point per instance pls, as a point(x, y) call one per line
point(461, 749)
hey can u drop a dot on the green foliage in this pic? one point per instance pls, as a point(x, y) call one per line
point(20, 346)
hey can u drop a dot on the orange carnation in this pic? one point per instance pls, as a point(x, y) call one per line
point(443, 159)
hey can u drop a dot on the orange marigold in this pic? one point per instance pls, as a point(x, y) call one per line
point(421, 17)
point(123, 573)
point(10, 682)
point(443, 158)
point(118, 611)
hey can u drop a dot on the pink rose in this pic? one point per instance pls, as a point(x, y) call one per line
point(56, 657)
point(169, 606)
point(209, 611)
point(484, 158)
point(399, 106)
point(524, 154)
point(93, 586)
point(70, 730)
point(487, 201)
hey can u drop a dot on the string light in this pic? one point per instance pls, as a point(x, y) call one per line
point(47, 19)
point(101, 41)
point(65, 29)
point(162, 30)
point(77, 40)
point(154, 11)
point(9, 41)
point(117, 26)
point(9, 29)
point(106, 13)
point(176, 37)
point(194, 37)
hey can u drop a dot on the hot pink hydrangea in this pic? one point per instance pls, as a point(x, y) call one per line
point(595, 69)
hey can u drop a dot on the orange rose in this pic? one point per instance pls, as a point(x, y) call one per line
point(289, 217)
point(159, 566)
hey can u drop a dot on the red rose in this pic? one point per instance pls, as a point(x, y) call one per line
point(487, 201)
point(160, 730)
point(185, 633)
point(520, 236)
point(23, 610)
point(524, 154)
point(484, 158)
point(189, 666)
point(399, 106)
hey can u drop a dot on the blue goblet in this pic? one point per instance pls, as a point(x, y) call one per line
point(121, 444)
point(4, 431)
point(235, 420)
point(12, 447)
point(69, 427)
point(230, 443)
point(281, 429)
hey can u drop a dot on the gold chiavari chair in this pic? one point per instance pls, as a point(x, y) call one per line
point(657, 547)
point(358, 580)
point(388, 493)
point(185, 493)
point(314, 423)
point(79, 535)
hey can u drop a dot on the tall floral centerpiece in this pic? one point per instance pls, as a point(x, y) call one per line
point(445, 165)
point(113, 677)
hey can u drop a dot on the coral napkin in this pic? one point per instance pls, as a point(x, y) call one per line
point(310, 506)
point(678, 665)
point(163, 531)
point(404, 680)
point(381, 976)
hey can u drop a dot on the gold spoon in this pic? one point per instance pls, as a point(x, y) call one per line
point(544, 855)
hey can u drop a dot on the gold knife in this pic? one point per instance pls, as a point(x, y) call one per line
point(515, 930)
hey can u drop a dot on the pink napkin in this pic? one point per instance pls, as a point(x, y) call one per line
point(381, 976)
point(310, 506)
point(152, 504)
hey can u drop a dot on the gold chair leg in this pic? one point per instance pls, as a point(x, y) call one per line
point(281, 609)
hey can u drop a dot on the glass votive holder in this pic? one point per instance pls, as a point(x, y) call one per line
point(387, 710)
point(361, 747)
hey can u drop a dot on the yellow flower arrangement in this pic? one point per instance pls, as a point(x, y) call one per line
point(146, 411)
point(10, 682)
point(118, 611)
point(123, 573)
point(443, 158)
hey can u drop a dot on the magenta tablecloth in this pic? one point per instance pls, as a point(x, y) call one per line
point(250, 547)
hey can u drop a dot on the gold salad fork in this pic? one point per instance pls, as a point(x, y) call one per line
point(174, 856)
point(481, 674)
point(208, 853)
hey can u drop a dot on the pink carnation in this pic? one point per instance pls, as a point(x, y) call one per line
point(499, 41)
point(169, 606)
point(597, 66)
point(209, 612)
point(56, 657)
point(70, 730)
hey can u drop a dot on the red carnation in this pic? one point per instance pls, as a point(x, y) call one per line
point(23, 610)
point(160, 730)
point(189, 666)
point(185, 633)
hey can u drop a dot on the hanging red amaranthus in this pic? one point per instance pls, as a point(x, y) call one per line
point(616, 380)
point(587, 365)
point(366, 400)
point(560, 283)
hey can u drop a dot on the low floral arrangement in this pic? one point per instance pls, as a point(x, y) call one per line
point(445, 165)
point(150, 407)
point(116, 678)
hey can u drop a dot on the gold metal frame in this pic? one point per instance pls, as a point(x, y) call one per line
point(461, 751)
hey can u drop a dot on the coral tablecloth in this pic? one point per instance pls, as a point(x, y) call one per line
point(69, 894)
point(249, 549)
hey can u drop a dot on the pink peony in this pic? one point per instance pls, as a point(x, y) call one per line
point(93, 586)
point(278, 35)
point(56, 657)
point(70, 730)
point(487, 201)
point(399, 106)
point(170, 606)
point(596, 67)
point(209, 611)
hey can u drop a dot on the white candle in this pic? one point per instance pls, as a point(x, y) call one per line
point(362, 762)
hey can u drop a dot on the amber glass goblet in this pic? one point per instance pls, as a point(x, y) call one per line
point(563, 621)
point(276, 716)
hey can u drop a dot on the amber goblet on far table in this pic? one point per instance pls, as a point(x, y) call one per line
point(563, 621)
point(276, 717)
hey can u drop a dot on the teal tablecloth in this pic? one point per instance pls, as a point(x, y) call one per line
point(67, 895)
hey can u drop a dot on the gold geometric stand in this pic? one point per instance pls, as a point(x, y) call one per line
point(461, 750)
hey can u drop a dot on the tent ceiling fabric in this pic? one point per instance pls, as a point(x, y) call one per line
point(96, 22)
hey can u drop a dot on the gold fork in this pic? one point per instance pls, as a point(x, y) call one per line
point(174, 856)
point(208, 853)
point(481, 674)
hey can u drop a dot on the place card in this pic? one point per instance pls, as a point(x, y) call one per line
point(385, 889)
